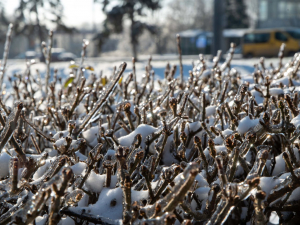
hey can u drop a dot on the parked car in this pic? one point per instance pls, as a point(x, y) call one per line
point(27, 55)
point(293, 32)
point(59, 55)
point(266, 42)
point(66, 56)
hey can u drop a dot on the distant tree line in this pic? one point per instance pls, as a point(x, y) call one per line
point(31, 21)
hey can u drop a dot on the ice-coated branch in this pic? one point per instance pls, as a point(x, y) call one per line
point(232, 170)
point(168, 179)
point(11, 124)
point(14, 143)
point(84, 216)
point(14, 175)
point(137, 159)
point(126, 188)
point(221, 171)
point(179, 195)
point(134, 76)
point(93, 158)
point(85, 43)
point(146, 173)
point(128, 115)
point(37, 148)
point(160, 146)
point(290, 183)
point(59, 193)
point(180, 59)
point(47, 55)
point(231, 197)
point(39, 201)
point(6, 217)
point(102, 99)
point(41, 133)
point(108, 166)
point(79, 92)
point(197, 142)
point(259, 217)
point(291, 105)
point(5, 54)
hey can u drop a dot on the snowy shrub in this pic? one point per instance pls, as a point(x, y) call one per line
point(211, 149)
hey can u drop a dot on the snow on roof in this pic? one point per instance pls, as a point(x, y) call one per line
point(226, 33)
point(191, 33)
point(234, 32)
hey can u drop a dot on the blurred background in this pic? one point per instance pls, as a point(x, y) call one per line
point(120, 28)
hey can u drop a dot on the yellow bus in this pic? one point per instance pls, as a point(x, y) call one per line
point(266, 42)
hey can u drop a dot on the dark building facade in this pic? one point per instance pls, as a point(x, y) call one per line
point(279, 13)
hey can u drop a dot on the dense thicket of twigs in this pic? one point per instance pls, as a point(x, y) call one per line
point(203, 150)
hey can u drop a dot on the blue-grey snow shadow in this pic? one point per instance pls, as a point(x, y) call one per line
point(160, 71)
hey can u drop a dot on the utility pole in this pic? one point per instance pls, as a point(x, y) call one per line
point(217, 26)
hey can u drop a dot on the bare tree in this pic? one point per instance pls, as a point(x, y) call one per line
point(190, 14)
point(253, 12)
point(3, 21)
point(183, 15)
point(31, 19)
point(117, 12)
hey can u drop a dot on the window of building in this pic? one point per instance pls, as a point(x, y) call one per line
point(282, 10)
point(290, 10)
point(280, 36)
point(263, 10)
point(272, 12)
